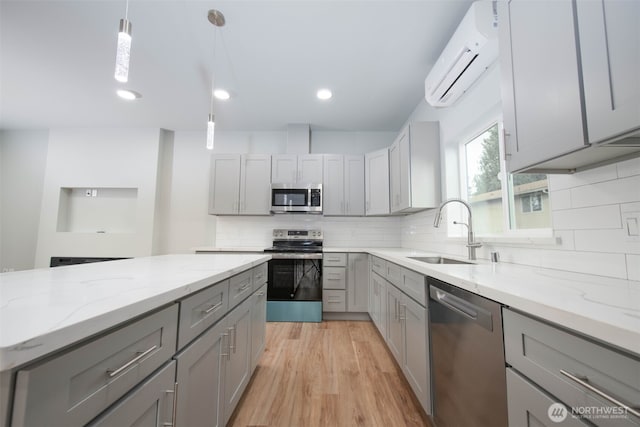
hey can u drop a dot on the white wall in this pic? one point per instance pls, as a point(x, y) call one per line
point(22, 165)
point(96, 158)
point(586, 207)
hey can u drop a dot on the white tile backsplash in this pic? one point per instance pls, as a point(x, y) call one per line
point(599, 217)
point(629, 168)
point(623, 190)
point(587, 218)
point(243, 231)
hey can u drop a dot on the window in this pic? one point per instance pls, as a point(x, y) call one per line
point(501, 203)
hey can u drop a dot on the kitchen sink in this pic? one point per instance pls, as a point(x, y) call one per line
point(440, 260)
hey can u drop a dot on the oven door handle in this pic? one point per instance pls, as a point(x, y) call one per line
point(277, 255)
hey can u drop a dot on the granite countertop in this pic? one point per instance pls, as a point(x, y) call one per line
point(44, 310)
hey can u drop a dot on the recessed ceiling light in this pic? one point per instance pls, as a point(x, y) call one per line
point(127, 94)
point(324, 94)
point(221, 94)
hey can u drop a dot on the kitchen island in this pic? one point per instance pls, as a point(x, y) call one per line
point(67, 310)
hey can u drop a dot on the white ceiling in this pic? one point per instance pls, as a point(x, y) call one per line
point(57, 62)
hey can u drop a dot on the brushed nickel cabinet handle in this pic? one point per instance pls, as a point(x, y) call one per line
point(175, 405)
point(212, 308)
point(583, 381)
point(113, 372)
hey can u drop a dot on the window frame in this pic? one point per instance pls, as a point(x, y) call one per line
point(508, 209)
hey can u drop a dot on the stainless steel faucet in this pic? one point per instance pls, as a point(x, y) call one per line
point(471, 243)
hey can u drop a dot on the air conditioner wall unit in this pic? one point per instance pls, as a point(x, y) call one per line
point(471, 50)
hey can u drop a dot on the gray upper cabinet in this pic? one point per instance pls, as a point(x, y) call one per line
point(224, 186)
point(343, 186)
point(610, 51)
point(540, 81)
point(414, 168)
point(240, 184)
point(376, 182)
point(296, 169)
point(569, 83)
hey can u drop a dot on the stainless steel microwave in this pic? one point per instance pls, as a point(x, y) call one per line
point(296, 198)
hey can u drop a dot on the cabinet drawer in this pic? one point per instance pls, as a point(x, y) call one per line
point(334, 260)
point(379, 266)
point(414, 285)
point(240, 287)
point(259, 276)
point(74, 387)
point(548, 355)
point(529, 406)
point(393, 274)
point(334, 278)
point(201, 310)
point(150, 404)
point(333, 300)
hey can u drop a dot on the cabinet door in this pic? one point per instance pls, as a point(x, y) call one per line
point(258, 325)
point(333, 201)
point(358, 283)
point(404, 143)
point(394, 176)
point(416, 352)
point(284, 168)
point(377, 304)
point(540, 82)
point(238, 365)
point(529, 406)
point(255, 190)
point(377, 182)
point(224, 187)
point(200, 377)
point(610, 53)
point(310, 169)
point(149, 405)
point(354, 185)
point(394, 323)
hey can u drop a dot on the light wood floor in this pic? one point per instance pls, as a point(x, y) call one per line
point(335, 373)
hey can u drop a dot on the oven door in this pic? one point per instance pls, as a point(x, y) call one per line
point(295, 278)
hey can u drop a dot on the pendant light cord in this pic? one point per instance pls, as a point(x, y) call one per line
point(213, 75)
point(126, 11)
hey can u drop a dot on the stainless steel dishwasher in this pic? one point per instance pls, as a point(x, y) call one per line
point(467, 358)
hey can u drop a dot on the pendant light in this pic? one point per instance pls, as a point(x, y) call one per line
point(123, 51)
point(217, 19)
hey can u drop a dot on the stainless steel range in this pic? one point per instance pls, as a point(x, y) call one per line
point(294, 291)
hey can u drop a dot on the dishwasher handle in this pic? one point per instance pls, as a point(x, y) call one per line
point(465, 308)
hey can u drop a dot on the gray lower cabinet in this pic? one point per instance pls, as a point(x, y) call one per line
point(199, 377)
point(238, 363)
point(394, 322)
point(398, 307)
point(377, 302)
point(529, 406)
point(345, 282)
point(258, 324)
point(601, 384)
point(72, 388)
point(151, 404)
point(358, 283)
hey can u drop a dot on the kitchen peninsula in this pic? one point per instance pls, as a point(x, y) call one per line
point(101, 331)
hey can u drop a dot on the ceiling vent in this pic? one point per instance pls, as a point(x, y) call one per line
point(471, 50)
